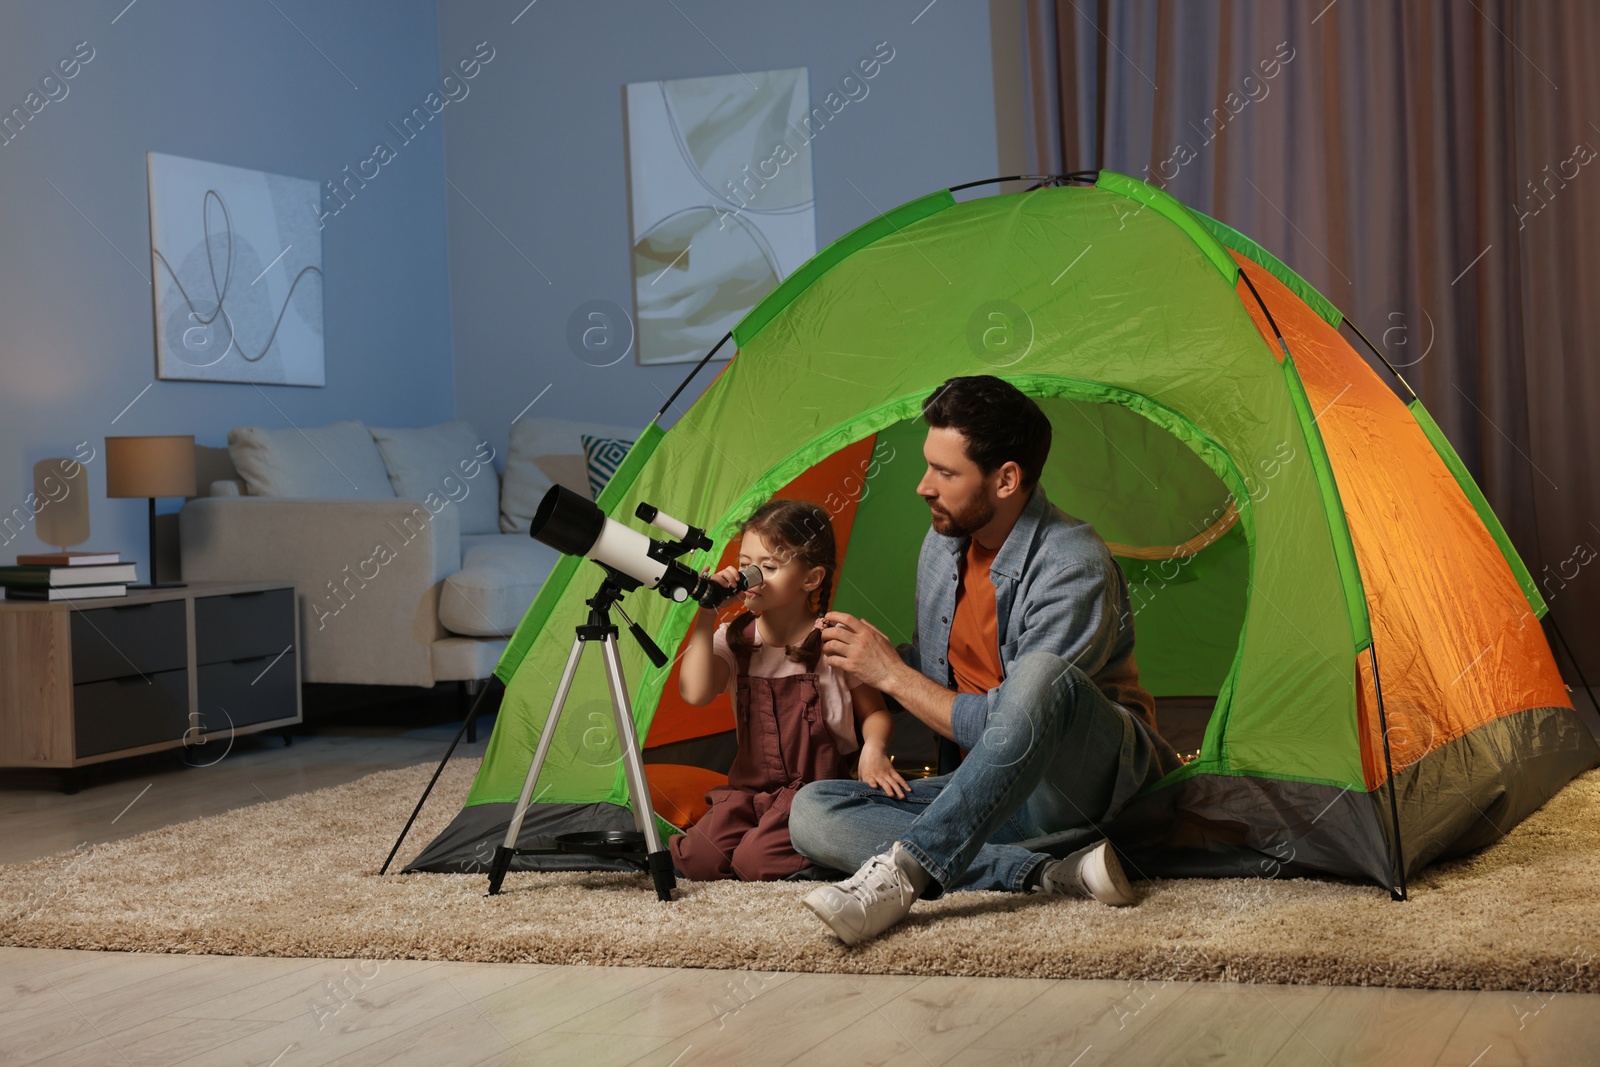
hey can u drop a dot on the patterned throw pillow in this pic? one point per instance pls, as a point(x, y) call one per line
point(603, 455)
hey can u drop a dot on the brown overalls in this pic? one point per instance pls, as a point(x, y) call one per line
point(783, 744)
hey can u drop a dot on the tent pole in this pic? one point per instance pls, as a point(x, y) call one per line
point(1388, 767)
point(1551, 615)
point(1400, 892)
point(1282, 344)
point(1380, 355)
point(1085, 176)
point(495, 687)
point(685, 384)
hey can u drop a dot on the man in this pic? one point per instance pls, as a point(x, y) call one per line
point(1023, 656)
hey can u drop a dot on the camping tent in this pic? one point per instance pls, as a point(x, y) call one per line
point(1283, 517)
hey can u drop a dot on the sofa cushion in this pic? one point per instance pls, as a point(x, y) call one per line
point(334, 462)
point(603, 455)
point(448, 460)
point(499, 577)
point(570, 471)
point(526, 483)
point(462, 659)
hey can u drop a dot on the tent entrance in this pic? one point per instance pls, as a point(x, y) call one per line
point(1171, 525)
point(1169, 519)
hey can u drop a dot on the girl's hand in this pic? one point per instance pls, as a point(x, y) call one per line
point(876, 770)
point(728, 577)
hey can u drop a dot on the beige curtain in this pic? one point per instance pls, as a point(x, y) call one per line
point(1433, 167)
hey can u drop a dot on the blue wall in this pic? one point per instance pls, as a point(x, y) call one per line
point(539, 151)
point(535, 140)
point(232, 83)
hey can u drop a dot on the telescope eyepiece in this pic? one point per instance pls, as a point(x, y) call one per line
point(711, 594)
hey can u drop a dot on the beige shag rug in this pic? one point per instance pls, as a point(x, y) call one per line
point(298, 877)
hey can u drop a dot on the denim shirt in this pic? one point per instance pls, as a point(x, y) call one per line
point(1056, 589)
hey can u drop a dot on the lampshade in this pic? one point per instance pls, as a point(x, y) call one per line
point(150, 466)
point(63, 484)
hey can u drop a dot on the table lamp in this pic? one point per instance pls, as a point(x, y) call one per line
point(151, 467)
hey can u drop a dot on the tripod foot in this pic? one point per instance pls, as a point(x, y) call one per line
point(498, 868)
point(661, 873)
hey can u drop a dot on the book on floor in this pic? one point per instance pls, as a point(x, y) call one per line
point(71, 592)
point(67, 559)
point(83, 574)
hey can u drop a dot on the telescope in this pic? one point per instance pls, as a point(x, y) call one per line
point(573, 524)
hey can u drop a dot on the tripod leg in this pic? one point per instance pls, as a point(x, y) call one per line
point(494, 688)
point(503, 854)
point(656, 856)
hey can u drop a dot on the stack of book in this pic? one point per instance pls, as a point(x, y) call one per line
point(67, 576)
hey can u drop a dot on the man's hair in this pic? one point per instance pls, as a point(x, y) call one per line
point(999, 421)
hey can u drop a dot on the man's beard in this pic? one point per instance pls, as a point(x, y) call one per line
point(965, 523)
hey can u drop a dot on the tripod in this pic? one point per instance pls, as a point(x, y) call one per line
point(600, 628)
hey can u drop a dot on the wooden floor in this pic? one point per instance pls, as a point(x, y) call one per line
point(103, 1008)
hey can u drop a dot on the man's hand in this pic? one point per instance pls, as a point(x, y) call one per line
point(860, 648)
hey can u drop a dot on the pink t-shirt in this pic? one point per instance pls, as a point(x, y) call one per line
point(833, 684)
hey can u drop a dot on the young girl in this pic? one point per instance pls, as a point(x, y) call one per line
point(796, 716)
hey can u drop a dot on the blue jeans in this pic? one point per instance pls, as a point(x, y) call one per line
point(1054, 755)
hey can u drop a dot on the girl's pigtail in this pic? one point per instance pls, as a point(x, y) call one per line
point(739, 640)
point(810, 650)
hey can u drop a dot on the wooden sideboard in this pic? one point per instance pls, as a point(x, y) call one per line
point(86, 681)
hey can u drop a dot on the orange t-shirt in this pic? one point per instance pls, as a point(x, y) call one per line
point(974, 632)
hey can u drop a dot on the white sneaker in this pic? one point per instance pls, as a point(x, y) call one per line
point(1094, 872)
point(873, 899)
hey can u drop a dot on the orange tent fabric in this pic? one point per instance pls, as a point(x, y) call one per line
point(824, 484)
point(1457, 643)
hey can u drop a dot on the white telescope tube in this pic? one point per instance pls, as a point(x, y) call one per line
point(628, 551)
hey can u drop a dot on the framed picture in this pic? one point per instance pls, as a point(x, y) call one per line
point(721, 201)
point(236, 265)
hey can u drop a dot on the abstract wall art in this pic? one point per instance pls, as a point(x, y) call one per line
point(236, 262)
point(720, 190)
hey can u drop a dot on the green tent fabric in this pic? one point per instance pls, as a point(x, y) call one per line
point(1121, 317)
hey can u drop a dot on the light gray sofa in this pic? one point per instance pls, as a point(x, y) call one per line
point(410, 552)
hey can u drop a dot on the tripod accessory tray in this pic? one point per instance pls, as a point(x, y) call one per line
point(620, 844)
